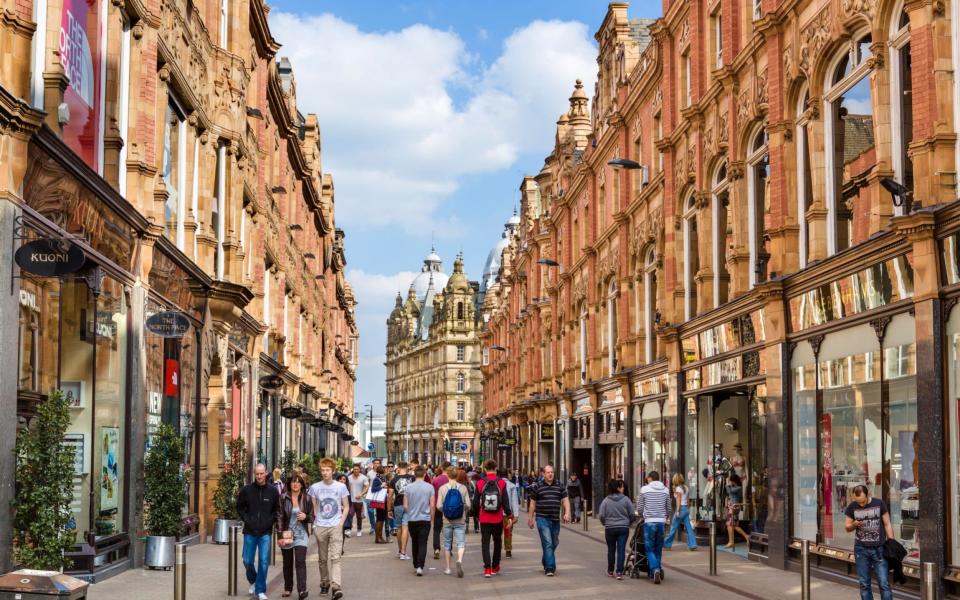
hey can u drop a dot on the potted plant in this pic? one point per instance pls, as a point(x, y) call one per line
point(44, 476)
point(225, 497)
point(163, 496)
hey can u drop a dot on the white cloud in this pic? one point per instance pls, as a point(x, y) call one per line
point(376, 290)
point(404, 114)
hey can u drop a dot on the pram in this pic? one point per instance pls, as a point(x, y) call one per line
point(636, 565)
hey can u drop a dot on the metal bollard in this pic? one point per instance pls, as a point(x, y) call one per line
point(233, 552)
point(929, 581)
point(273, 548)
point(712, 525)
point(180, 572)
point(804, 569)
point(586, 517)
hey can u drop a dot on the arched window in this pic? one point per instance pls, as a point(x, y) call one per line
point(758, 198)
point(461, 383)
point(804, 183)
point(850, 146)
point(651, 315)
point(612, 327)
point(901, 99)
point(691, 258)
point(460, 310)
point(719, 214)
point(583, 343)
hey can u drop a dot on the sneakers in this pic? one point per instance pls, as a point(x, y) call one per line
point(372, 531)
point(346, 533)
point(509, 554)
point(619, 576)
point(404, 556)
point(609, 573)
point(359, 532)
point(337, 594)
point(487, 572)
point(262, 596)
point(551, 573)
point(419, 571)
point(657, 576)
point(324, 588)
point(496, 570)
point(253, 589)
point(436, 555)
point(447, 571)
point(460, 570)
point(694, 549)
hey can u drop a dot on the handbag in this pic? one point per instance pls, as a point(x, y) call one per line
point(378, 500)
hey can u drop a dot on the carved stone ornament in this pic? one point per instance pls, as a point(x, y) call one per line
point(685, 33)
point(814, 36)
point(858, 7)
point(744, 107)
point(722, 126)
point(658, 98)
point(762, 87)
point(789, 64)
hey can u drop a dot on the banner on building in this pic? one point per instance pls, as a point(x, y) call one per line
point(81, 31)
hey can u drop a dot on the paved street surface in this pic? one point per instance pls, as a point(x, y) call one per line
point(373, 571)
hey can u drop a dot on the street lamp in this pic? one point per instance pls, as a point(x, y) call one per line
point(902, 195)
point(624, 163)
point(548, 262)
point(369, 424)
point(498, 348)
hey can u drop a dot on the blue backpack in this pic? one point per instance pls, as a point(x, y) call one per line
point(453, 504)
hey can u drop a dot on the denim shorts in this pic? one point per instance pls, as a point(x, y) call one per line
point(454, 532)
point(400, 516)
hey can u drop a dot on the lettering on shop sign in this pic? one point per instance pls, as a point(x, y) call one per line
point(168, 324)
point(29, 300)
point(271, 382)
point(49, 258)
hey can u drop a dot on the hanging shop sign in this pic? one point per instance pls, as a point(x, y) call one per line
point(290, 411)
point(546, 431)
point(168, 324)
point(50, 257)
point(271, 382)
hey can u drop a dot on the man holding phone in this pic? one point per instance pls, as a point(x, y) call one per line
point(869, 519)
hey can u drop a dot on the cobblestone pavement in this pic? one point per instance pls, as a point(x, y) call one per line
point(373, 571)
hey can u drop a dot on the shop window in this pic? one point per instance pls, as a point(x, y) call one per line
point(691, 257)
point(174, 171)
point(953, 416)
point(722, 235)
point(758, 198)
point(648, 434)
point(850, 146)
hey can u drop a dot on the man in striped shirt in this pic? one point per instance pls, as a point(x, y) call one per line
point(653, 504)
point(547, 499)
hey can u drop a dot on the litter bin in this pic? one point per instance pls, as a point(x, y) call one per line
point(27, 584)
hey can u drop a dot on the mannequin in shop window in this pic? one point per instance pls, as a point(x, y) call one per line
point(737, 462)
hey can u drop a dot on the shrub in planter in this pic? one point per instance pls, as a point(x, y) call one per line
point(288, 461)
point(44, 476)
point(164, 483)
point(232, 478)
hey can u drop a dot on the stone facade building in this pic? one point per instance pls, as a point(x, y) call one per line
point(711, 274)
point(433, 368)
point(161, 140)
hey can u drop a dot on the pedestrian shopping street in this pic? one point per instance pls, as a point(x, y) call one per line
point(373, 571)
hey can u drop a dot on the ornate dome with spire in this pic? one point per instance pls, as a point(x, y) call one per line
point(491, 269)
point(432, 269)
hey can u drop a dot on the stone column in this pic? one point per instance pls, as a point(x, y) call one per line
point(9, 326)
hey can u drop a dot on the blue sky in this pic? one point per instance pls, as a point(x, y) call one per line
point(430, 115)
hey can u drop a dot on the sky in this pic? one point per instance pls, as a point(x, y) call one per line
point(431, 113)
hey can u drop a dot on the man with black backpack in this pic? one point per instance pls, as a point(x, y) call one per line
point(491, 504)
point(454, 504)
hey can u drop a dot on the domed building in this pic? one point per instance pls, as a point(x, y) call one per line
point(491, 269)
point(433, 367)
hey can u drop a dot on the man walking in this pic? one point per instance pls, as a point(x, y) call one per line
point(419, 504)
point(491, 506)
point(397, 512)
point(331, 507)
point(509, 520)
point(575, 493)
point(869, 520)
point(547, 499)
point(358, 484)
point(258, 504)
point(653, 504)
point(440, 479)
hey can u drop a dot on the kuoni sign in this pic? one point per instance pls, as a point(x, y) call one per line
point(49, 257)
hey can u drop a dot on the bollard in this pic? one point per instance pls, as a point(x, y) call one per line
point(586, 517)
point(713, 547)
point(180, 572)
point(273, 548)
point(232, 554)
point(804, 569)
point(929, 581)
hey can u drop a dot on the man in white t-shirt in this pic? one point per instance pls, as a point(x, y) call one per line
point(331, 506)
point(358, 483)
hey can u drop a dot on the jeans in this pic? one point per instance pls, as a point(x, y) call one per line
point(616, 547)
point(575, 507)
point(549, 531)
point(295, 557)
point(257, 547)
point(653, 540)
point(454, 534)
point(400, 517)
point(371, 514)
point(682, 518)
point(358, 513)
point(872, 559)
point(419, 534)
point(490, 531)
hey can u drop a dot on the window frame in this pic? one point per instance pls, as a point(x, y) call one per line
point(720, 186)
point(689, 216)
point(756, 157)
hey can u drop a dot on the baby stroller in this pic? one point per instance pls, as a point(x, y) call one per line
point(636, 565)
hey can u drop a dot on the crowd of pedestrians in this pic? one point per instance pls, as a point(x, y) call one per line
point(420, 507)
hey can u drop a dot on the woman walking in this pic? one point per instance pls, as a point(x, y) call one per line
point(454, 502)
point(734, 504)
point(616, 516)
point(377, 497)
point(681, 496)
point(295, 516)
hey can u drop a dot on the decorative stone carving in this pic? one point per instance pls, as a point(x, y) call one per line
point(744, 107)
point(761, 87)
point(722, 126)
point(658, 98)
point(814, 36)
point(685, 33)
point(858, 7)
point(789, 64)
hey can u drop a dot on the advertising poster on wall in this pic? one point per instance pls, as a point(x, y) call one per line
point(109, 468)
point(80, 36)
